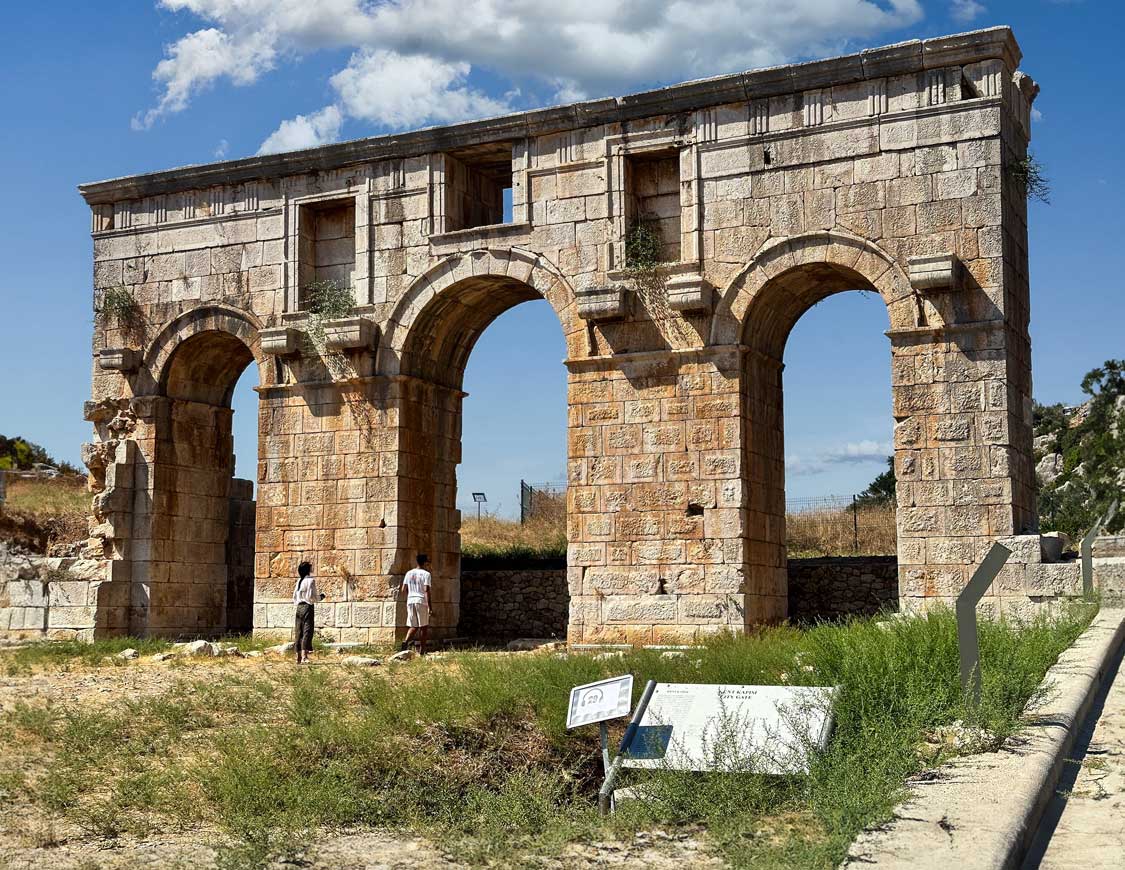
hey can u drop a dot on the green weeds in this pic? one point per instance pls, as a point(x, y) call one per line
point(471, 749)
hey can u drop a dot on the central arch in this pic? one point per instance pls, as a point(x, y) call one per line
point(430, 338)
point(759, 311)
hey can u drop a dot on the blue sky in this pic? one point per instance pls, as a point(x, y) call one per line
point(91, 91)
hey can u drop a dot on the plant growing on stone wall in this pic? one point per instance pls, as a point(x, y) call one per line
point(326, 301)
point(644, 256)
point(1031, 177)
point(117, 306)
point(643, 248)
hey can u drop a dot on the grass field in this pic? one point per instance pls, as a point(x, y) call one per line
point(44, 514)
point(471, 751)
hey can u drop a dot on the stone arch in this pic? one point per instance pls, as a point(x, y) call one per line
point(227, 340)
point(830, 262)
point(759, 310)
point(429, 337)
point(434, 326)
point(198, 569)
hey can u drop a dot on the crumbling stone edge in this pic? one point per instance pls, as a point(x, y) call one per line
point(983, 810)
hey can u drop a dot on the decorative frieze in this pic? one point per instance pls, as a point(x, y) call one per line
point(814, 108)
point(877, 97)
point(759, 117)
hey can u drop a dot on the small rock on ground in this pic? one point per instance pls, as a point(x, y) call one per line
point(361, 661)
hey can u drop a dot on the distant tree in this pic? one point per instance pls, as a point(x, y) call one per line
point(882, 488)
point(1093, 453)
point(19, 454)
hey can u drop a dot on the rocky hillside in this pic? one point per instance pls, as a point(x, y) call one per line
point(1080, 454)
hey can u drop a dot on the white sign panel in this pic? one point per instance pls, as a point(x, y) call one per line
point(769, 729)
point(596, 702)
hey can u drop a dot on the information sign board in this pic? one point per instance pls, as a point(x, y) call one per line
point(770, 729)
point(596, 702)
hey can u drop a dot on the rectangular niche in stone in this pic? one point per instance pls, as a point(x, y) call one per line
point(476, 179)
point(652, 199)
point(326, 244)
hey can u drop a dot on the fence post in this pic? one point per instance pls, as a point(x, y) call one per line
point(855, 523)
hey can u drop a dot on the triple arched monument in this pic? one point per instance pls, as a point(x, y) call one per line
point(895, 170)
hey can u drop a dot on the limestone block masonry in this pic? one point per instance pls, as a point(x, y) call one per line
point(886, 171)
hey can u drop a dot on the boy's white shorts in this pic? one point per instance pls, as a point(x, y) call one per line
point(417, 615)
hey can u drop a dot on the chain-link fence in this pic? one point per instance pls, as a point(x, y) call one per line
point(542, 501)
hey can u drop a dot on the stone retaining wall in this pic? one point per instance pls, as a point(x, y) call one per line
point(511, 603)
point(841, 586)
point(533, 602)
point(55, 598)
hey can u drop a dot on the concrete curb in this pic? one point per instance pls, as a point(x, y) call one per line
point(984, 810)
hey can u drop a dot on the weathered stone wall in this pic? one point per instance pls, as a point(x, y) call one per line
point(833, 586)
point(55, 598)
point(516, 602)
point(881, 171)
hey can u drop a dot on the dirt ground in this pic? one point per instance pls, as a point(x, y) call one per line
point(28, 839)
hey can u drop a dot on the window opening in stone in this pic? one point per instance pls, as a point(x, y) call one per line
point(652, 204)
point(478, 184)
point(326, 245)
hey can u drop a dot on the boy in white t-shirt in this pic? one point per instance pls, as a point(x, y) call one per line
point(416, 584)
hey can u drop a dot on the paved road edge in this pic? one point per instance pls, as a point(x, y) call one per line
point(982, 812)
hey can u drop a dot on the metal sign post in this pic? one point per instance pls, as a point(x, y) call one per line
point(480, 498)
point(968, 643)
point(599, 702)
point(605, 793)
point(1086, 548)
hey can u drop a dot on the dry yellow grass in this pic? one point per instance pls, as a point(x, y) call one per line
point(45, 515)
point(492, 537)
point(809, 533)
point(833, 532)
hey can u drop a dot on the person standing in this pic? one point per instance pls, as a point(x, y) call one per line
point(305, 596)
point(417, 585)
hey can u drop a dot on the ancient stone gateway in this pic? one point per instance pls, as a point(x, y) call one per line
point(884, 171)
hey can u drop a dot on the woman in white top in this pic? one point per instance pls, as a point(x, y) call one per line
point(305, 596)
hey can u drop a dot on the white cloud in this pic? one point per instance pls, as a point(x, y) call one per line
point(412, 59)
point(305, 131)
point(402, 91)
point(966, 10)
point(198, 59)
point(1036, 115)
point(851, 453)
point(222, 149)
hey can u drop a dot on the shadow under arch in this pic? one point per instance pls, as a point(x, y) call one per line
point(201, 349)
point(196, 577)
point(758, 311)
point(430, 336)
